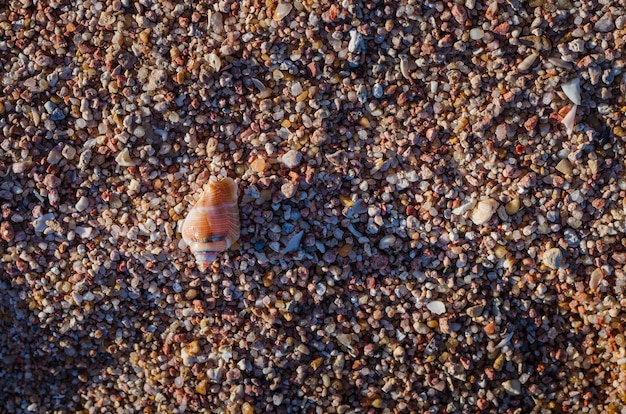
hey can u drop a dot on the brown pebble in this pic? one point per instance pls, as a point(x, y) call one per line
point(6, 231)
point(258, 165)
point(490, 328)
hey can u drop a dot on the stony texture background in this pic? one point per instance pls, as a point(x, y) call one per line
point(419, 230)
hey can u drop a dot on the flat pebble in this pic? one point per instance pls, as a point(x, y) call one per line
point(553, 258)
point(437, 307)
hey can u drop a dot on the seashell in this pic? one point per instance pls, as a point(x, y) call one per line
point(212, 225)
point(124, 159)
point(572, 90)
point(569, 120)
point(404, 66)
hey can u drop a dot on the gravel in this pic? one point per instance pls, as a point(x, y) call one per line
point(431, 201)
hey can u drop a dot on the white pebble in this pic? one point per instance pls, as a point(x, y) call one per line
point(292, 159)
point(483, 211)
point(572, 90)
point(553, 258)
point(437, 307)
point(477, 33)
point(82, 204)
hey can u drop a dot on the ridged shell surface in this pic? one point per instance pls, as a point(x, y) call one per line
point(212, 225)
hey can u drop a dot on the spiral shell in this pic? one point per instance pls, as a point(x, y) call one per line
point(212, 225)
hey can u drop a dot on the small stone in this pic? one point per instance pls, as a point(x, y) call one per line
point(258, 165)
point(40, 225)
point(483, 211)
point(246, 408)
point(553, 258)
point(513, 206)
point(345, 250)
point(596, 277)
point(51, 181)
point(377, 91)
point(459, 13)
point(82, 204)
point(605, 24)
point(477, 33)
point(294, 243)
point(292, 158)
point(49, 107)
point(201, 388)
point(475, 311)
point(54, 156)
point(437, 307)
point(296, 89)
point(18, 167)
point(387, 241)
point(527, 63)
point(57, 115)
point(288, 189)
point(84, 232)
point(282, 10)
point(6, 231)
point(564, 167)
point(513, 387)
point(571, 89)
point(571, 238)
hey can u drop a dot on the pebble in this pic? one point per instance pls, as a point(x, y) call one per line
point(513, 206)
point(82, 204)
point(595, 278)
point(292, 158)
point(605, 24)
point(54, 156)
point(288, 189)
point(477, 33)
point(40, 225)
point(483, 211)
point(527, 62)
point(565, 167)
point(363, 137)
point(6, 231)
point(571, 238)
point(437, 307)
point(553, 258)
point(294, 243)
point(387, 241)
point(513, 386)
point(258, 165)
